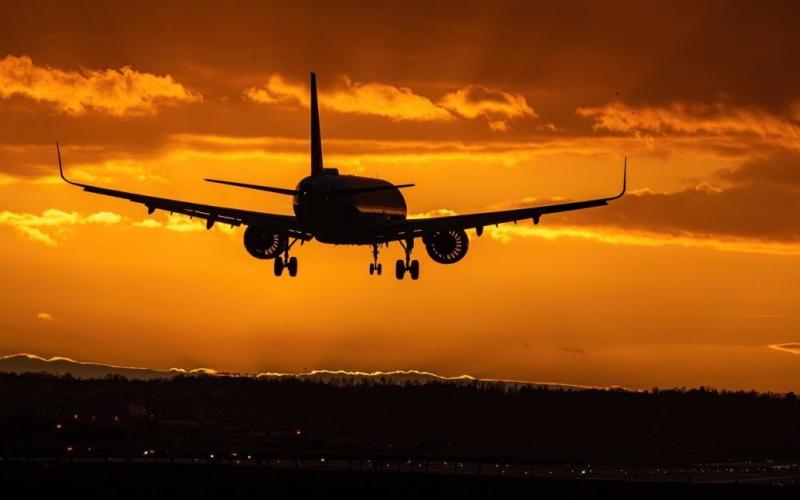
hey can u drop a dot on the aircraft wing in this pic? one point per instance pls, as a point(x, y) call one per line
point(210, 213)
point(401, 230)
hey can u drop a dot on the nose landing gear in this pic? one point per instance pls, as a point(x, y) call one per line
point(409, 266)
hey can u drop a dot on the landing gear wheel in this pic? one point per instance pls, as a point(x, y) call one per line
point(292, 267)
point(379, 269)
point(400, 269)
point(278, 266)
point(372, 269)
point(413, 269)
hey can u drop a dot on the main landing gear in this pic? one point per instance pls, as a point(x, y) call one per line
point(410, 266)
point(375, 267)
point(288, 263)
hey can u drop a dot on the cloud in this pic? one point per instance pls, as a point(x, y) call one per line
point(50, 227)
point(613, 236)
point(120, 92)
point(45, 316)
point(495, 105)
point(574, 350)
point(396, 103)
point(795, 110)
point(181, 224)
point(401, 103)
point(754, 207)
point(695, 119)
point(440, 212)
point(46, 228)
point(277, 90)
point(792, 347)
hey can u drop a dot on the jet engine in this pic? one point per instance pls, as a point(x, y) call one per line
point(447, 247)
point(263, 244)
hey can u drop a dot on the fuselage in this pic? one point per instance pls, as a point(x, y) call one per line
point(346, 219)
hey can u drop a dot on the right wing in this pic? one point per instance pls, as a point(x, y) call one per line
point(210, 213)
point(413, 228)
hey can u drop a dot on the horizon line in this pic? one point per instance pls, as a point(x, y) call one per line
point(315, 372)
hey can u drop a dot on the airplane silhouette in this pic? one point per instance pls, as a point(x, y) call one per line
point(345, 210)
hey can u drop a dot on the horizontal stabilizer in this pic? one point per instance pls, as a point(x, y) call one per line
point(290, 192)
point(332, 192)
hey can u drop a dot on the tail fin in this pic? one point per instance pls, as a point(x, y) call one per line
point(316, 139)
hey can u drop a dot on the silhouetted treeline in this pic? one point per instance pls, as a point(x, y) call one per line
point(41, 414)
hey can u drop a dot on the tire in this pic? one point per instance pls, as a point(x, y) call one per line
point(379, 269)
point(278, 266)
point(414, 269)
point(292, 267)
point(371, 269)
point(400, 269)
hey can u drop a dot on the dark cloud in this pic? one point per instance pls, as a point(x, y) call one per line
point(646, 51)
point(760, 201)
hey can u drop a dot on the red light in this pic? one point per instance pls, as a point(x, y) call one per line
point(298, 432)
point(58, 426)
point(69, 448)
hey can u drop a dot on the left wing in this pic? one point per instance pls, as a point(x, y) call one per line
point(210, 213)
point(405, 229)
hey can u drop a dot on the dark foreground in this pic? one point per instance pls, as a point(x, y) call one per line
point(116, 480)
point(223, 436)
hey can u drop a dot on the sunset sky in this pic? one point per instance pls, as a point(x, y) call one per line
point(692, 279)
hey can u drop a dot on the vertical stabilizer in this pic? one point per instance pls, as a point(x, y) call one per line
point(316, 139)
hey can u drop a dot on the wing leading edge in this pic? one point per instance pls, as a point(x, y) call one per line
point(210, 213)
point(401, 230)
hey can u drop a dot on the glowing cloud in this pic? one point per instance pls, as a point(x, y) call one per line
point(55, 222)
point(277, 90)
point(495, 105)
point(396, 103)
point(695, 119)
point(791, 347)
point(181, 224)
point(401, 103)
point(45, 316)
point(117, 92)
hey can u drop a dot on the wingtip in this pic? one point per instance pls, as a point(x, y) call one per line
point(61, 168)
point(625, 176)
point(624, 181)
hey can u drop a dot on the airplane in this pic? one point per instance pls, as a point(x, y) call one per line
point(344, 210)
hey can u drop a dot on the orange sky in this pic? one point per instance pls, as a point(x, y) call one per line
point(686, 281)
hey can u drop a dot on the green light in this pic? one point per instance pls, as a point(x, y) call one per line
point(322, 459)
point(583, 472)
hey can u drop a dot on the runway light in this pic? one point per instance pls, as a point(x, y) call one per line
point(58, 426)
point(298, 432)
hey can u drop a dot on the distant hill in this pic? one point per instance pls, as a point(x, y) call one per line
point(29, 363)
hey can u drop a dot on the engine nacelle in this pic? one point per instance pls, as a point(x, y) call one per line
point(447, 247)
point(263, 244)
